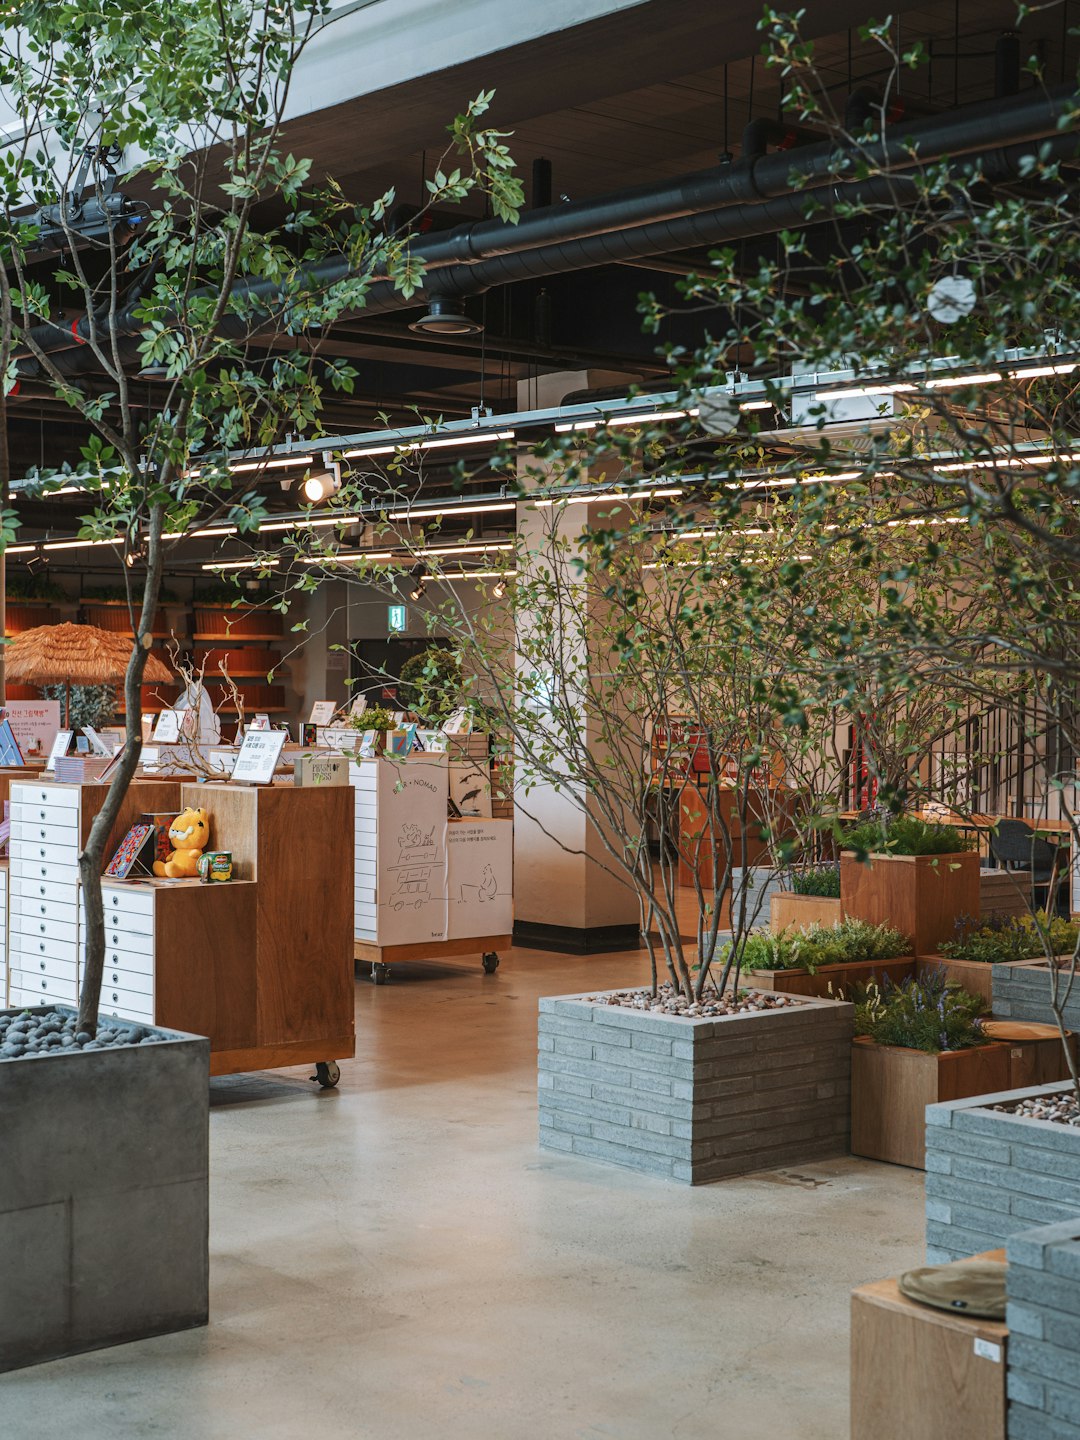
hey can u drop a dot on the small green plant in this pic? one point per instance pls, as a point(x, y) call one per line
point(375, 717)
point(1003, 938)
point(820, 880)
point(904, 835)
point(850, 942)
point(925, 1014)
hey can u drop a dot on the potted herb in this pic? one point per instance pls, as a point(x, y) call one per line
point(812, 897)
point(968, 958)
point(918, 876)
point(377, 718)
point(916, 1044)
point(827, 960)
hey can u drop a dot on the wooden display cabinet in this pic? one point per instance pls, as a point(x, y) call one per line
point(267, 973)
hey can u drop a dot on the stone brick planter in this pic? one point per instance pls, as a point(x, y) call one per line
point(695, 1100)
point(891, 1086)
point(832, 981)
point(990, 1175)
point(1022, 992)
point(789, 911)
point(1043, 1283)
point(103, 1197)
point(919, 895)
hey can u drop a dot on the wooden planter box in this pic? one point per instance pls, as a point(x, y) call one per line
point(974, 976)
point(919, 895)
point(694, 1100)
point(842, 978)
point(892, 1086)
point(790, 911)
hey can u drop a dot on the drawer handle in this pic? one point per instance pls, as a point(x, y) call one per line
point(42, 929)
point(44, 984)
point(115, 900)
point(42, 854)
point(41, 947)
point(116, 998)
point(42, 964)
point(115, 961)
point(116, 979)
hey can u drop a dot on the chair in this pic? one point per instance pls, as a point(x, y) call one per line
point(1016, 846)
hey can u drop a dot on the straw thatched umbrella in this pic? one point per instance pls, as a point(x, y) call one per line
point(74, 655)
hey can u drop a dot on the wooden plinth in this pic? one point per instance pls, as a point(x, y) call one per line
point(789, 911)
point(918, 1373)
point(892, 1086)
point(920, 895)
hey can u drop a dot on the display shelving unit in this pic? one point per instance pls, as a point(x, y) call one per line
point(418, 888)
point(244, 635)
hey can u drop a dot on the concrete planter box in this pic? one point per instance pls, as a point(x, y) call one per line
point(842, 978)
point(919, 895)
point(1043, 1315)
point(695, 1100)
point(990, 1175)
point(103, 1197)
point(789, 911)
point(1022, 992)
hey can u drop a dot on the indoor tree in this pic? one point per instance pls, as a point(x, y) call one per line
point(212, 274)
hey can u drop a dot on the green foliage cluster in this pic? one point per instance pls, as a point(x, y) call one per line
point(375, 717)
point(33, 587)
point(430, 684)
point(849, 942)
point(90, 704)
point(905, 835)
point(821, 880)
point(1014, 937)
point(924, 1014)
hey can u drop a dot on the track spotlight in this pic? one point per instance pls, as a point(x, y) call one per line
point(445, 317)
point(418, 576)
point(318, 486)
point(498, 590)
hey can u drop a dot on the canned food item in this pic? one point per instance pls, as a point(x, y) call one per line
point(215, 865)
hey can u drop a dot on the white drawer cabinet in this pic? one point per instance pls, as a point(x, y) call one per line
point(56, 797)
point(27, 988)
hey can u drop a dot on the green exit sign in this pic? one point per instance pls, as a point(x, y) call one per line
point(397, 618)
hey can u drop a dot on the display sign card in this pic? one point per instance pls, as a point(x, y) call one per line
point(97, 744)
point(10, 754)
point(147, 724)
point(167, 730)
point(480, 876)
point(368, 744)
point(136, 853)
point(403, 741)
point(457, 724)
point(161, 820)
point(322, 712)
point(321, 770)
point(359, 705)
point(435, 741)
point(60, 746)
point(259, 756)
point(34, 723)
point(261, 722)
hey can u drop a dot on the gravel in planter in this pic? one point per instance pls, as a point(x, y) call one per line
point(34, 1034)
point(668, 1002)
point(1062, 1109)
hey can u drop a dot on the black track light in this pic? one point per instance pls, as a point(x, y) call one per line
point(418, 576)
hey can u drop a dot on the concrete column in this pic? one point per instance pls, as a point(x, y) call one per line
point(564, 898)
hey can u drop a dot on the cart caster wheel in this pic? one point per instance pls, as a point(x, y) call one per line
point(490, 962)
point(380, 974)
point(327, 1073)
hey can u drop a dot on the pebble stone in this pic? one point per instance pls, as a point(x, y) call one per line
point(26, 1036)
point(668, 1002)
point(1062, 1109)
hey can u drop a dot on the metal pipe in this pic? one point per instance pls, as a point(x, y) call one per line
point(705, 208)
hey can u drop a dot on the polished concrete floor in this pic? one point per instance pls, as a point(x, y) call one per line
point(395, 1260)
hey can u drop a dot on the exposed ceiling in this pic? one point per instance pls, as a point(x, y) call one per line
point(657, 91)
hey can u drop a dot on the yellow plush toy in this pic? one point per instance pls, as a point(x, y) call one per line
point(189, 834)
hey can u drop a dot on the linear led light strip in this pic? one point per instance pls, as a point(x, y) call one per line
point(607, 495)
point(409, 446)
point(240, 564)
point(945, 382)
point(612, 422)
point(434, 513)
